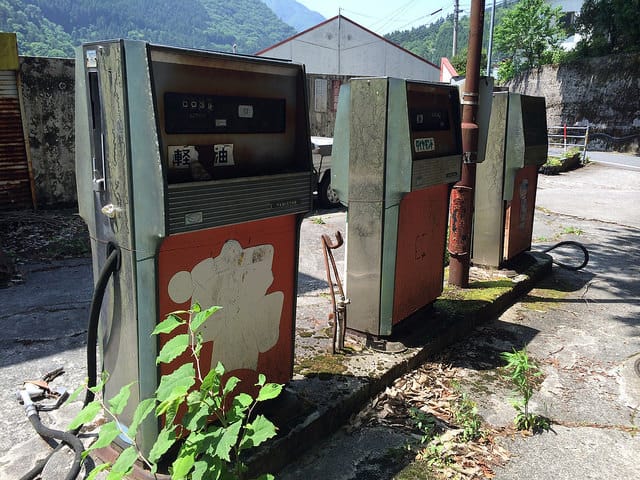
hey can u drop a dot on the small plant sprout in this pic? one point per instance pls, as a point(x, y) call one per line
point(217, 426)
point(572, 231)
point(524, 375)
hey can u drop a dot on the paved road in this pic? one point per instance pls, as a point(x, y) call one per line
point(620, 160)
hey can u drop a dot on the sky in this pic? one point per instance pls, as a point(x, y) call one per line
point(384, 17)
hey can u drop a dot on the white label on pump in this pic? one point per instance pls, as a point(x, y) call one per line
point(181, 156)
point(245, 111)
point(424, 145)
point(223, 155)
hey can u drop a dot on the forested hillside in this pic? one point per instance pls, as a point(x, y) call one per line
point(435, 41)
point(48, 28)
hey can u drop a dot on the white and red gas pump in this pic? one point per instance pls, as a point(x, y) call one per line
point(197, 167)
point(396, 151)
point(507, 180)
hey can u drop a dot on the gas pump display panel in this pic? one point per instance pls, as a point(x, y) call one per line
point(233, 138)
point(229, 119)
point(433, 110)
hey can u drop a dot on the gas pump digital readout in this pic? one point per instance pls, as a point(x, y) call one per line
point(507, 180)
point(396, 150)
point(197, 166)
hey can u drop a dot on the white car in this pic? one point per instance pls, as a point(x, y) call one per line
point(321, 150)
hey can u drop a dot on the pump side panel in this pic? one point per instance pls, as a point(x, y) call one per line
point(488, 223)
point(119, 318)
point(520, 211)
point(420, 255)
point(249, 269)
point(366, 216)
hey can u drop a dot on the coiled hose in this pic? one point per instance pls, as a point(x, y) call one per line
point(573, 244)
point(70, 438)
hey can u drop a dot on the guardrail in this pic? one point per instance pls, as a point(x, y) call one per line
point(564, 137)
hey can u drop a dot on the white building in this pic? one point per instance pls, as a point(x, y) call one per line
point(339, 46)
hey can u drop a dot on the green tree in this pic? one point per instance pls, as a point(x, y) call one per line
point(528, 36)
point(609, 26)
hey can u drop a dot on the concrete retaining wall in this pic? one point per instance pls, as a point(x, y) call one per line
point(599, 92)
point(48, 102)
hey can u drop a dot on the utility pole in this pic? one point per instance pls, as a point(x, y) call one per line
point(456, 10)
point(461, 208)
point(493, 17)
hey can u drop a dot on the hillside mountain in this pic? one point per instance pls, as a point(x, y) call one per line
point(47, 28)
point(294, 14)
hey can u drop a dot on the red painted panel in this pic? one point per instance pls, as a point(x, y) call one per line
point(249, 270)
point(422, 230)
point(519, 212)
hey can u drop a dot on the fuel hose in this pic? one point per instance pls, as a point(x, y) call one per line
point(70, 438)
point(572, 244)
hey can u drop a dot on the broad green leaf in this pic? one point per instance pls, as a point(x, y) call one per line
point(269, 391)
point(168, 325)
point(211, 382)
point(144, 408)
point(220, 369)
point(194, 397)
point(108, 433)
point(119, 401)
point(172, 410)
point(257, 432)
point(200, 468)
point(231, 384)
point(200, 317)
point(240, 405)
point(181, 378)
point(76, 393)
point(100, 384)
point(166, 439)
point(97, 469)
point(123, 464)
point(228, 440)
point(86, 415)
point(182, 465)
point(196, 420)
point(172, 349)
point(265, 476)
point(261, 380)
point(195, 308)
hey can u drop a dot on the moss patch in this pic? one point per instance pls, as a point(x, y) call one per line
point(321, 365)
point(418, 469)
point(458, 302)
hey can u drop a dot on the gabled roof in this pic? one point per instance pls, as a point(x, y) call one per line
point(357, 25)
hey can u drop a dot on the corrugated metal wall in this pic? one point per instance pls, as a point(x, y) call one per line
point(15, 186)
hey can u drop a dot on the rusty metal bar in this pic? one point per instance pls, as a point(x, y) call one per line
point(461, 209)
point(340, 306)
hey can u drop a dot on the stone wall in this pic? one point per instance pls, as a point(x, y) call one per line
point(599, 92)
point(48, 102)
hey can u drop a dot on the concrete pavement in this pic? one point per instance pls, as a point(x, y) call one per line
point(587, 337)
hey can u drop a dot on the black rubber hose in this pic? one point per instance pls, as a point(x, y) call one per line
point(111, 265)
point(573, 244)
point(109, 268)
point(65, 437)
